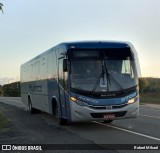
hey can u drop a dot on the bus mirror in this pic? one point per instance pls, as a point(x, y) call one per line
point(65, 65)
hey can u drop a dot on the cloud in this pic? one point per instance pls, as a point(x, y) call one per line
point(6, 80)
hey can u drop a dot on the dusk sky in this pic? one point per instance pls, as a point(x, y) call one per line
point(29, 27)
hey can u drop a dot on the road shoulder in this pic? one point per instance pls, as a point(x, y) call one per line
point(152, 106)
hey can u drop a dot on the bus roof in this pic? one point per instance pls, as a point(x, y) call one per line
point(86, 44)
point(96, 44)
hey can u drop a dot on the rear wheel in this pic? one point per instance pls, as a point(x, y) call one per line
point(31, 109)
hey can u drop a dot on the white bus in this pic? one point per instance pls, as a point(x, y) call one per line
point(83, 81)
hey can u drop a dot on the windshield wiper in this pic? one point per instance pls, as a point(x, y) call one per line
point(108, 77)
point(117, 83)
point(97, 82)
point(107, 73)
point(102, 75)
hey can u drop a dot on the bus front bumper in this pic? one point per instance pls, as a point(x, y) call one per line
point(85, 113)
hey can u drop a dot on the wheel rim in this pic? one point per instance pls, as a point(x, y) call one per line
point(29, 106)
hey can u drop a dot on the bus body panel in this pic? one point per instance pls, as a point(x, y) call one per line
point(41, 82)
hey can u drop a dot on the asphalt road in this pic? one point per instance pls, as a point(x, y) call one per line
point(143, 130)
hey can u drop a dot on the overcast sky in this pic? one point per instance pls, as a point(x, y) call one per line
point(29, 27)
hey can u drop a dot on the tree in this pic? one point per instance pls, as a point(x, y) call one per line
point(143, 84)
point(11, 90)
point(0, 90)
point(1, 5)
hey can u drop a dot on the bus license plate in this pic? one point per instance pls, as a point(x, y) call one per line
point(109, 116)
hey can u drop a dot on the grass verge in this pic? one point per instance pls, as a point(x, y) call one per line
point(4, 121)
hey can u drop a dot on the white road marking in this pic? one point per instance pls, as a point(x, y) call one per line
point(136, 133)
point(157, 117)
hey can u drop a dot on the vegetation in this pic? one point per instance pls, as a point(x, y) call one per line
point(149, 90)
point(1, 90)
point(11, 90)
point(1, 9)
point(4, 121)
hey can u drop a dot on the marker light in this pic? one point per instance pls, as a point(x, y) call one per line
point(73, 99)
point(78, 102)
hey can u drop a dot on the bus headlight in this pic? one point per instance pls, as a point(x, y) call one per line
point(133, 100)
point(78, 102)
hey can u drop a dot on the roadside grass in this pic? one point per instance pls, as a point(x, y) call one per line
point(150, 98)
point(4, 121)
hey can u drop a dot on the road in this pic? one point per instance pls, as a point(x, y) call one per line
point(142, 130)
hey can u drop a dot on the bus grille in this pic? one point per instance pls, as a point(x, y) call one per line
point(104, 107)
point(101, 115)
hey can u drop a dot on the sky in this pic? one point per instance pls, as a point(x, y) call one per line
point(29, 27)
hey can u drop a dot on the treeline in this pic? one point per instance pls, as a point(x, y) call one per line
point(1, 90)
point(149, 85)
point(10, 90)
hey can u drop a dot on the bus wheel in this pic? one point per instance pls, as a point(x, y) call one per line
point(30, 106)
point(31, 109)
point(107, 121)
point(61, 120)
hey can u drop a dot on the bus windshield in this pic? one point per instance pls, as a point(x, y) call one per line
point(107, 72)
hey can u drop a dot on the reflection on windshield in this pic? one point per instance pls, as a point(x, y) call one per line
point(86, 73)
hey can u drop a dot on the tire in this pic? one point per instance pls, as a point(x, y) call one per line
point(61, 120)
point(30, 106)
point(31, 109)
point(107, 121)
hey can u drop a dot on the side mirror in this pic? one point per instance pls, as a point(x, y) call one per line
point(65, 68)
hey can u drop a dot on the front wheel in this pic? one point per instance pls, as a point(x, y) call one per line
point(61, 120)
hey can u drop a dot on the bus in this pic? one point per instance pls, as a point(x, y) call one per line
point(83, 81)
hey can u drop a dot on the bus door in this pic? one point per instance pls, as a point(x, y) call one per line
point(62, 87)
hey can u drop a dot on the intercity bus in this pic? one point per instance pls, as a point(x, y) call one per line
point(83, 81)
